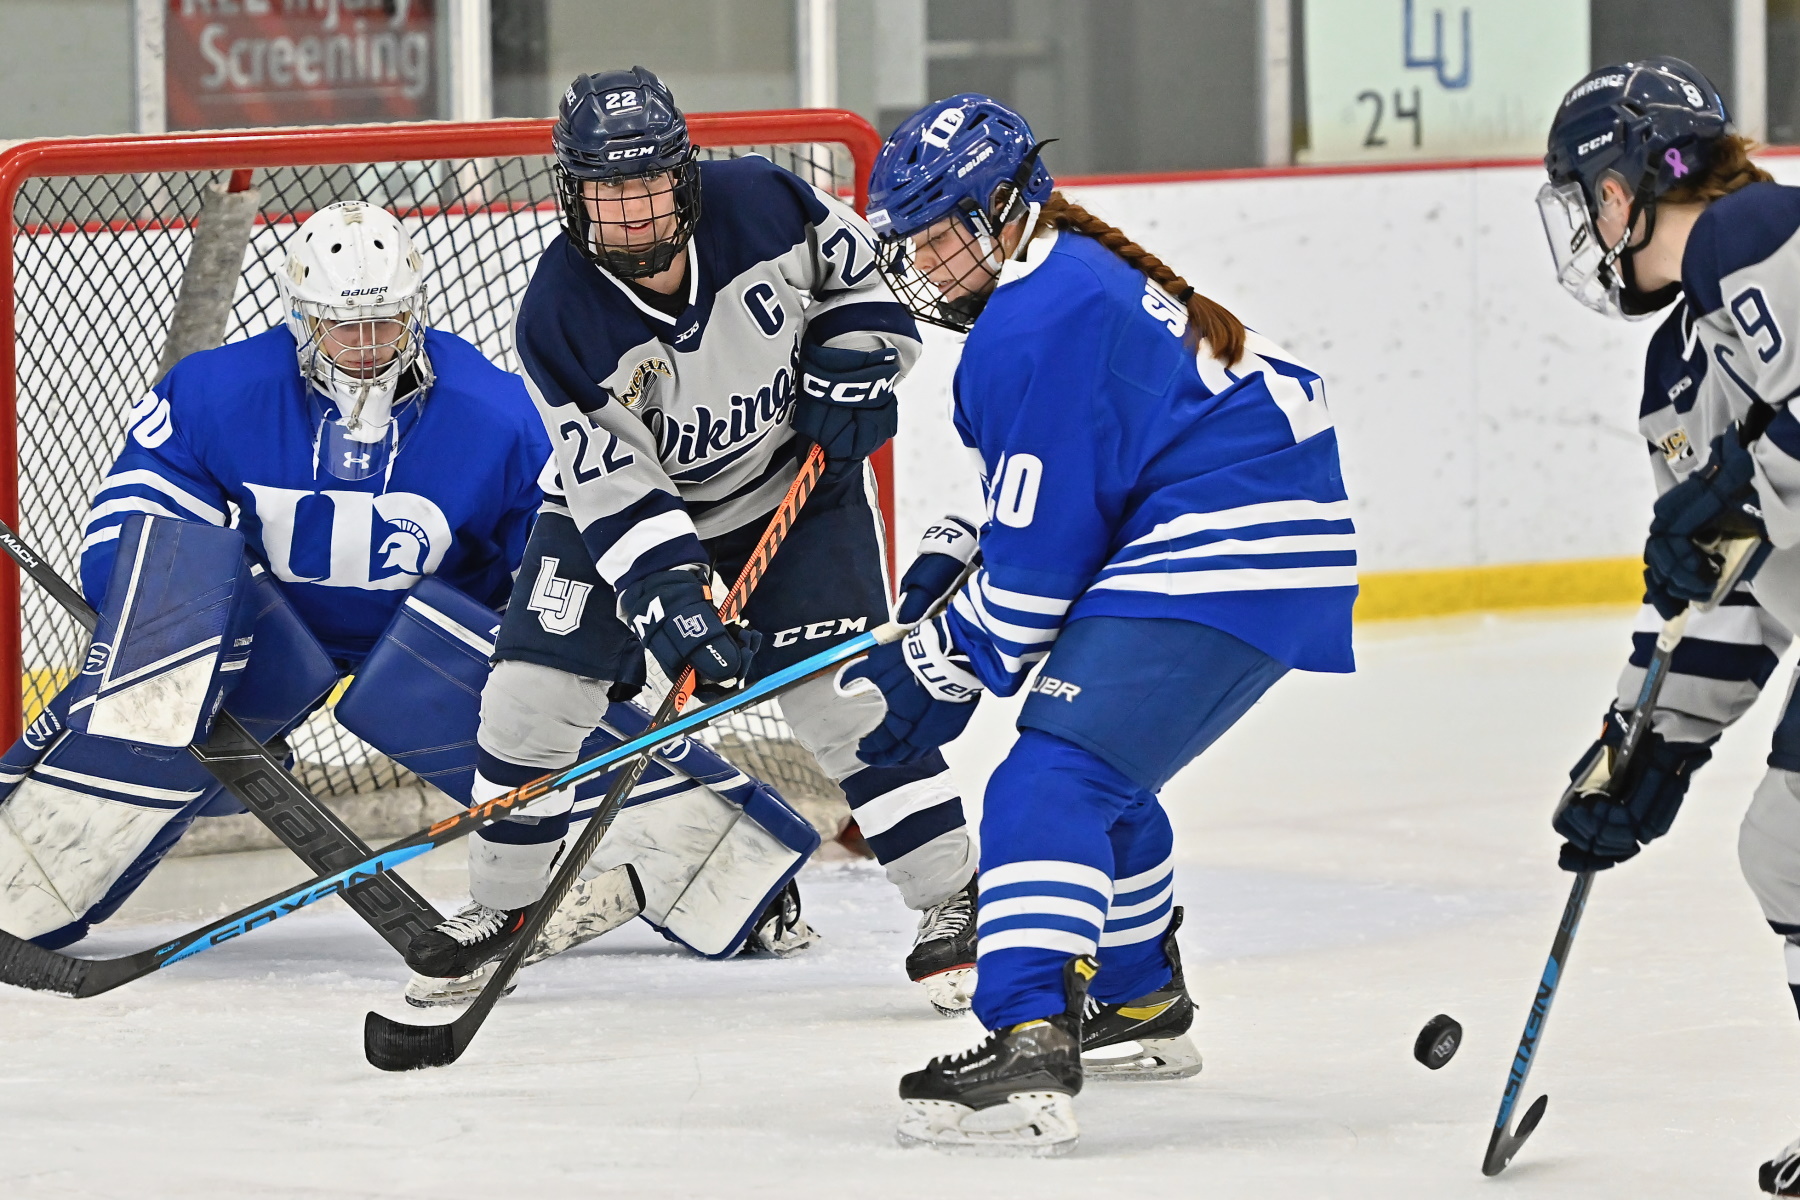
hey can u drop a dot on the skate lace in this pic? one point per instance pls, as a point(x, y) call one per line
point(1787, 1164)
point(473, 923)
point(955, 1061)
point(945, 920)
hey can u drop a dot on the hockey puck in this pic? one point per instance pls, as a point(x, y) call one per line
point(1437, 1042)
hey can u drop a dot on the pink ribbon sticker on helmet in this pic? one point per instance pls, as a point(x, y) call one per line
point(1672, 156)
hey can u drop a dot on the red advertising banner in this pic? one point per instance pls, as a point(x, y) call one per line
point(236, 63)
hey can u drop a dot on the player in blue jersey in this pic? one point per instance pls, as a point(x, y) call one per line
point(696, 328)
point(1653, 203)
point(1166, 532)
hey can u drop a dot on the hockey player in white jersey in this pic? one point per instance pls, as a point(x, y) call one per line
point(349, 493)
point(693, 331)
point(1653, 201)
point(1167, 534)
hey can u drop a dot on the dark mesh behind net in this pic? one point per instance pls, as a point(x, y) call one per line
point(98, 270)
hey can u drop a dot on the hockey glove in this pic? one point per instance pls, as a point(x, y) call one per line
point(669, 612)
point(929, 690)
point(944, 551)
point(1607, 821)
point(846, 403)
point(1718, 500)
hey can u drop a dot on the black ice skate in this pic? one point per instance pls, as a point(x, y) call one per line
point(1012, 1094)
point(943, 953)
point(1780, 1176)
point(1145, 1038)
point(781, 930)
point(465, 943)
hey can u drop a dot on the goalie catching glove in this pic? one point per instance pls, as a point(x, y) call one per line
point(1607, 821)
point(670, 613)
point(928, 688)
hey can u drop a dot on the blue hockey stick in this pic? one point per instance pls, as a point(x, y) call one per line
point(1736, 555)
point(25, 965)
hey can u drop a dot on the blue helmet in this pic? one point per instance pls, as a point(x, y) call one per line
point(1648, 125)
point(619, 125)
point(970, 156)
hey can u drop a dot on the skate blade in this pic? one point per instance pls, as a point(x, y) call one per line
point(428, 991)
point(951, 992)
point(1028, 1124)
point(1151, 1058)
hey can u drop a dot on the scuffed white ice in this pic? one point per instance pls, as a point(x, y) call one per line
point(1359, 854)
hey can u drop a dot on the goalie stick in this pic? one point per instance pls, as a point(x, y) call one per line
point(1504, 1143)
point(396, 1046)
point(233, 756)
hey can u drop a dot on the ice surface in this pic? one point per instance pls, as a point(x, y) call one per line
point(1360, 854)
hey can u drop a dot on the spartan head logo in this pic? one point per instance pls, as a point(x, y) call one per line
point(406, 548)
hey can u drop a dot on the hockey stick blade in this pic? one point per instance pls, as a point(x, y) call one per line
point(394, 1046)
point(1506, 1142)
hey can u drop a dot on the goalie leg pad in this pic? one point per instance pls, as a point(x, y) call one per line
point(174, 634)
point(84, 827)
point(417, 696)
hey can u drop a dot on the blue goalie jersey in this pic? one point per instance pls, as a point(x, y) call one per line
point(1127, 476)
point(229, 438)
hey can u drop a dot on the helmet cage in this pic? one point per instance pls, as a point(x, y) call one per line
point(980, 230)
point(624, 260)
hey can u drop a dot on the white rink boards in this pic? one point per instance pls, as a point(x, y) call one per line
point(1361, 853)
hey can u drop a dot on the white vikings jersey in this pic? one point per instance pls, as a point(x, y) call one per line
point(1734, 339)
point(669, 429)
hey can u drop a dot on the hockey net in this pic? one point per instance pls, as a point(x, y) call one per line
point(127, 253)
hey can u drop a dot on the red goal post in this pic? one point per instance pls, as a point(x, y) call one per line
point(99, 232)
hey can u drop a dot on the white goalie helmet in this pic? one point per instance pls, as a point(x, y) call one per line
point(354, 292)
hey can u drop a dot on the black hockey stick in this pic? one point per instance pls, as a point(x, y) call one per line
point(396, 1046)
point(253, 775)
point(1735, 556)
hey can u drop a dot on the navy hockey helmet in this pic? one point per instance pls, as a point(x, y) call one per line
point(1647, 125)
point(628, 179)
point(969, 156)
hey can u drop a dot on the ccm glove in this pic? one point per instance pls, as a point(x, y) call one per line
point(846, 402)
point(929, 690)
point(1718, 500)
point(669, 612)
point(944, 552)
point(1608, 822)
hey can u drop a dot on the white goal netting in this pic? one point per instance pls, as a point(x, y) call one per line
point(102, 268)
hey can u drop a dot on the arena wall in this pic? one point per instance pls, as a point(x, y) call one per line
point(1487, 421)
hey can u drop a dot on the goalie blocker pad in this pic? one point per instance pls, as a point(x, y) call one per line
point(174, 633)
point(84, 819)
point(711, 845)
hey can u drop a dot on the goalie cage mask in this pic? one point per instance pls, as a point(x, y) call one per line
point(355, 299)
point(623, 159)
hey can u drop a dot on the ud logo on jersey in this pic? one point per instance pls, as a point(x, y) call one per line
point(350, 539)
point(558, 602)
